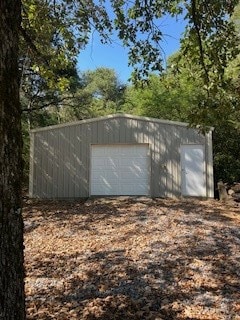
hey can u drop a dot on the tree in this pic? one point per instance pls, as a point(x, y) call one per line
point(169, 96)
point(210, 44)
point(37, 95)
point(47, 57)
point(11, 223)
point(215, 61)
point(226, 153)
point(104, 89)
point(99, 93)
point(209, 40)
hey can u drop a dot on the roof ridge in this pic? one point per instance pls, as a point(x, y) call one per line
point(111, 116)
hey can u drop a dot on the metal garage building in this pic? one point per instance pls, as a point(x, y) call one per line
point(120, 155)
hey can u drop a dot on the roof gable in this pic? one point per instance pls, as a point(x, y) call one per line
point(113, 116)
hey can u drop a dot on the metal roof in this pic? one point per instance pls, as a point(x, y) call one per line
point(112, 116)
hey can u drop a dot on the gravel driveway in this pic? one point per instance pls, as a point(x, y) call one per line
point(126, 258)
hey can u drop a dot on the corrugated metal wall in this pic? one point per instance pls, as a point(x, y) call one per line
point(60, 156)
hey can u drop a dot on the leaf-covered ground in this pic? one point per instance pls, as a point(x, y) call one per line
point(126, 258)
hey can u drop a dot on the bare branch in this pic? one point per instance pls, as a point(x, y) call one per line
point(53, 102)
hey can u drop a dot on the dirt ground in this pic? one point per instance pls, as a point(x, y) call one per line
point(126, 258)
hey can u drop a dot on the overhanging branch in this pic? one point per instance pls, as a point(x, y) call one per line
point(32, 46)
point(53, 102)
point(199, 39)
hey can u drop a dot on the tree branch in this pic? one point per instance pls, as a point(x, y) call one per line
point(199, 39)
point(32, 46)
point(53, 102)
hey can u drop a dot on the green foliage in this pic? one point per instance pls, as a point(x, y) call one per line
point(102, 83)
point(53, 33)
point(169, 96)
point(208, 42)
point(137, 26)
point(100, 93)
point(210, 45)
point(226, 149)
point(48, 44)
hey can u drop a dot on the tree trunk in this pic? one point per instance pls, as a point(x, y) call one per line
point(12, 305)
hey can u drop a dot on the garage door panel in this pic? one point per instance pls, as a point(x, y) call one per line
point(136, 172)
point(131, 189)
point(143, 153)
point(133, 161)
point(106, 184)
point(104, 162)
point(112, 162)
point(136, 179)
point(134, 154)
point(98, 152)
point(102, 175)
point(120, 170)
point(110, 151)
point(98, 161)
point(100, 189)
point(133, 174)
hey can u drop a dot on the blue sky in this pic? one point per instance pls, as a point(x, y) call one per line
point(114, 55)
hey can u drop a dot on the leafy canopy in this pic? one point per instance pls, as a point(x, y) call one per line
point(67, 25)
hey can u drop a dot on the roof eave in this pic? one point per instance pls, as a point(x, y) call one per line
point(112, 116)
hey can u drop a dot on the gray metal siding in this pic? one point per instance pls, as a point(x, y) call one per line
point(60, 156)
point(209, 165)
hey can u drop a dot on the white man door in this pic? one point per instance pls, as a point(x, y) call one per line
point(193, 170)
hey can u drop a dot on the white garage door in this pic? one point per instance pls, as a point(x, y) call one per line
point(120, 170)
